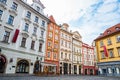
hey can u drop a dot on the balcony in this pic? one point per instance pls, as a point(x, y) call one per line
point(10, 26)
point(56, 41)
point(49, 38)
point(36, 24)
point(55, 50)
point(43, 28)
point(3, 4)
point(13, 11)
point(41, 39)
point(27, 19)
point(25, 33)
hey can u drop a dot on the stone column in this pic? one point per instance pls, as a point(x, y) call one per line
point(62, 68)
point(77, 69)
point(68, 68)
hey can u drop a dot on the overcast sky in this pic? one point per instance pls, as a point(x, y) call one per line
point(89, 17)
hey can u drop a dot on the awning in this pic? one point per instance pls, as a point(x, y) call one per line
point(48, 64)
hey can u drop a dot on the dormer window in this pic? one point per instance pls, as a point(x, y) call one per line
point(14, 6)
point(38, 8)
point(3, 1)
point(108, 31)
point(117, 28)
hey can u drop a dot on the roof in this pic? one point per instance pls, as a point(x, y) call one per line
point(109, 31)
point(39, 2)
point(52, 19)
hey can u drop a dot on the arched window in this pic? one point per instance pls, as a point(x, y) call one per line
point(2, 63)
point(22, 66)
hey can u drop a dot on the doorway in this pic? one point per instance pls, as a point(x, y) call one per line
point(2, 63)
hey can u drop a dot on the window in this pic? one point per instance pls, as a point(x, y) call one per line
point(38, 8)
point(101, 43)
point(118, 49)
point(3, 1)
point(32, 45)
point(66, 36)
point(56, 31)
point(23, 42)
point(49, 44)
point(28, 14)
point(36, 19)
point(65, 43)
point(10, 20)
point(118, 38)
point(111, 53)
point(26, 27)
point(40, 47)
point(109, 41)
point(65, 55)
point(117, 28)
point(50, 34)
point(34, 30)
point(69, 56)
point(51, 28)
point(6, 36)
point(14, 6)
point(55, 46)
point(69, 45)
point(62, 35)
point(102, 55)
point(42, 33)
point(1, 12)
point(43, 23)
point(56, 37)
point(61, 54)
point(54, 56)
point(62, 42)
point(48, 55)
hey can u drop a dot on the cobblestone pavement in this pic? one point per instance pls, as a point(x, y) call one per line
point(63, 77)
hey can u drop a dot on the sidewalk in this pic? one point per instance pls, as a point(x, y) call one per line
point(15, 75)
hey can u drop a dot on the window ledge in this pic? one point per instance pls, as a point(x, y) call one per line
point(9, 24)
point(5, 42)
point(23, 46)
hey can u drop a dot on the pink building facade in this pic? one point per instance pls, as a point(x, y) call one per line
point(88, 60)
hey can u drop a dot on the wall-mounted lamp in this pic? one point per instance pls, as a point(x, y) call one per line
point(11, 60)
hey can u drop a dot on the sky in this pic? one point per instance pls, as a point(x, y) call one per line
point(88, 17)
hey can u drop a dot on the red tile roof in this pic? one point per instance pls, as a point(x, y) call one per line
point(109, 31)
point(52, 19)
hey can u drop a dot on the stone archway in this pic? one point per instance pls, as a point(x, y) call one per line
point(2, 63)
point(22, 66)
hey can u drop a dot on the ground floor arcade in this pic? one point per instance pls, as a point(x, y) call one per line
point(109, 68)
point(89, 70)
point(12, 62)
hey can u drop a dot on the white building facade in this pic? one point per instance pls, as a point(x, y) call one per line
point(65, 55)
point(77, 52)
point(22, 36)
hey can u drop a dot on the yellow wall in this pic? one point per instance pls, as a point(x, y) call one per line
point(114, 46)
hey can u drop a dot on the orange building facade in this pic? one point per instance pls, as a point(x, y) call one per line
point(52, 47)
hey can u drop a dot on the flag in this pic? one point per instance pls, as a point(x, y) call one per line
point(105, 51)
point(15, 36)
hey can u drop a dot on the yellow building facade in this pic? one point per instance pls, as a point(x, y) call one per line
point(108, 51)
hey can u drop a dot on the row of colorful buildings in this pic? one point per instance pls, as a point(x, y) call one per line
point(31, 42)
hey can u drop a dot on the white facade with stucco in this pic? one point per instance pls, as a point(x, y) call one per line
point(16, 56)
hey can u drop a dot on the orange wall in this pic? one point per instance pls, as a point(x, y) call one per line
point(53, 42)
